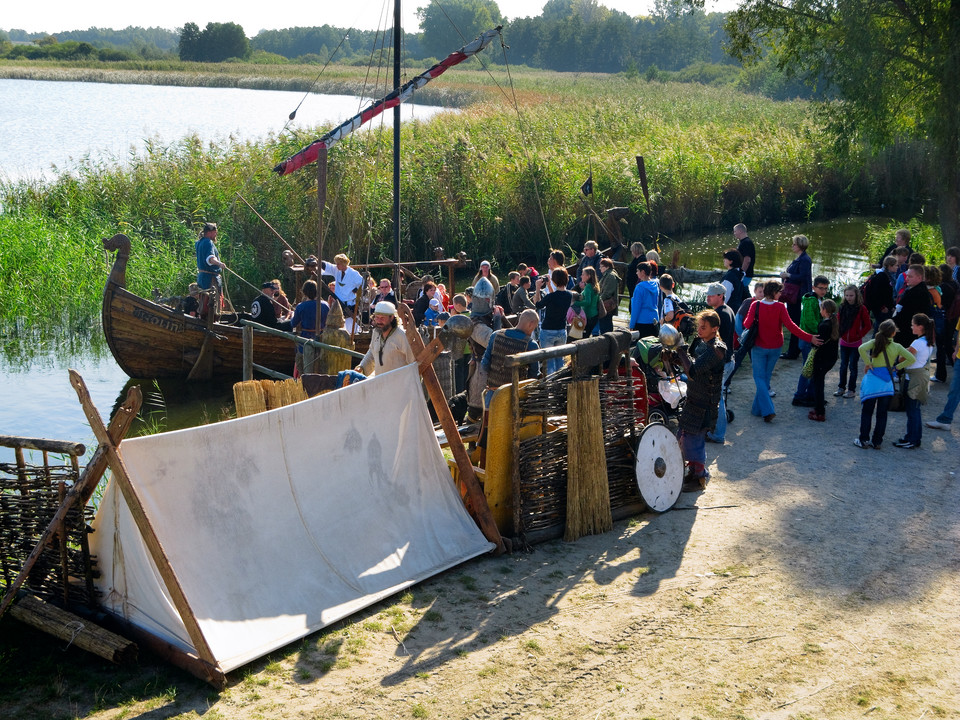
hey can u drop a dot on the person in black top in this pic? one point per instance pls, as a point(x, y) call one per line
point(639, 253)
point(746, 249)
point(900, 239)
point(915, 299)
point(553, 329)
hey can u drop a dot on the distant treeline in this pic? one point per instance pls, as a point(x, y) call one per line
point(675, 43)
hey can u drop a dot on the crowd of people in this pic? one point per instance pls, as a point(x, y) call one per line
point(910, 306)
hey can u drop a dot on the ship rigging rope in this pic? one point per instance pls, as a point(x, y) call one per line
point(512, 99)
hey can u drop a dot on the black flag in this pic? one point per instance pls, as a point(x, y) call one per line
point(587, 187)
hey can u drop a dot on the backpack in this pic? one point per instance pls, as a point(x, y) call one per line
point(870, 292)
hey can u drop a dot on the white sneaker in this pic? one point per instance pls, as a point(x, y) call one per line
point(937, 425)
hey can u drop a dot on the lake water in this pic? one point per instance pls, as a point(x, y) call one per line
point(47, 125)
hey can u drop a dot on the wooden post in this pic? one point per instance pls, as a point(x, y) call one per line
point(517, 517)
point(82, 491)
point(139, 516)
point(476, 501)
point(248, 352)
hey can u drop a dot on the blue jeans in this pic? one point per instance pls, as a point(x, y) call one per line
point(763, 361)
point(914, 424)
point(553, 338)
point(953, 397)
point(882, 405)
point(694, 449)
point(720, 431)
point(804, 388)
point(849, 360)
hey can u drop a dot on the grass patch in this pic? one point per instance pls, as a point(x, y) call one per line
point(533, 646)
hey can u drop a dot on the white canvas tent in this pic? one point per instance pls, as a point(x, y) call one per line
point(275, 525)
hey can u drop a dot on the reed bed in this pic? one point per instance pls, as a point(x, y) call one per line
point(494, 180)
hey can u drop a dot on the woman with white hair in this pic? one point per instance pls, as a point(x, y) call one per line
point(486, 272)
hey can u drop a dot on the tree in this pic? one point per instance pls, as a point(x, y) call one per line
point(894, 67)
point(222, 41)
point(448, 26)
point(190, 42)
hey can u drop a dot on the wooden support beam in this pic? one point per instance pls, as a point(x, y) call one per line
point(55, 446)
point(120, 476)
point(476, 500)
point(82, 491)
point(74, 630)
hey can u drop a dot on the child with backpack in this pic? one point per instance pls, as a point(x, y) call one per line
point(854, 326)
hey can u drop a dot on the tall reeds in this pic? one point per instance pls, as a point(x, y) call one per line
point(494, 180)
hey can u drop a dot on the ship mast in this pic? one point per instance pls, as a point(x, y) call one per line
point(397, 32)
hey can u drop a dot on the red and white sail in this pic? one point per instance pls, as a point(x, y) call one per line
point(311, 152)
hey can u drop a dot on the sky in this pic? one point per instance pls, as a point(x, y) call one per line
point(57, 15)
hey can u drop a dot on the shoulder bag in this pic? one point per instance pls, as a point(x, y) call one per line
point(790, 293)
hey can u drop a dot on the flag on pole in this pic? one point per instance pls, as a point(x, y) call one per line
point(587, 187)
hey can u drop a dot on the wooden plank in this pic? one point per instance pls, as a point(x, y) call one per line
point(120, 476)
point(75, 630)
point(476, 500)
point(62, 447)
point(170, 653)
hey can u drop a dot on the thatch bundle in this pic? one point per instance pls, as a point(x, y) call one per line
point(588, 495)
point(249, 398)
point(279, 393)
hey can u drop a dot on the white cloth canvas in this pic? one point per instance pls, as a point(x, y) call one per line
point(281, 523)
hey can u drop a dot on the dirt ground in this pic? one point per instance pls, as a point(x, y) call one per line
point(812, 579)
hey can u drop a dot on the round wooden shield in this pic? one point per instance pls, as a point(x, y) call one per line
point(659, 467)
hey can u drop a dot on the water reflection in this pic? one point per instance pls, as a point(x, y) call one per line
point(836, 248)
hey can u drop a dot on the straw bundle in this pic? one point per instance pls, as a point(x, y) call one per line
point(588, 494)
point(249, 398)
point(281, 393)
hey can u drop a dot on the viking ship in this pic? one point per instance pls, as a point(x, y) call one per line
point(150, 340)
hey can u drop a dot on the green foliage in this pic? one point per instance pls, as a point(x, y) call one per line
point(453, 23)
point(894, 66)
point(925, 238)
point(215, 43)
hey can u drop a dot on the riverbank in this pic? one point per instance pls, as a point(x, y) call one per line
point(810, 579)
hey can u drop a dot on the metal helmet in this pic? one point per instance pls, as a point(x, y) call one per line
point(460, 325)
point(670, 337)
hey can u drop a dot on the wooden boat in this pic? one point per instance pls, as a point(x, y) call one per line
point(149, 340)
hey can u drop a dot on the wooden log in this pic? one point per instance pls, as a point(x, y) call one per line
point(120, 476)
point(55, 446)
point(588, 491)
point(73, 629)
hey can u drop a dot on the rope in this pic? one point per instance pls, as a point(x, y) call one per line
point(77, 627)
point(252, 287)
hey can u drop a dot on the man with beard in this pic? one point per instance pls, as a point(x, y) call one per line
point(389, 348)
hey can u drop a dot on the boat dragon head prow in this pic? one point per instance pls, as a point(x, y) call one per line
point(120, 243)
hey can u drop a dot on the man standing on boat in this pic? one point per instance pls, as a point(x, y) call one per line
point(346, 282)
point(209, 268)
point(389, 348)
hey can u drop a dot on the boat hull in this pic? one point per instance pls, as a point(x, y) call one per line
point(152, 341)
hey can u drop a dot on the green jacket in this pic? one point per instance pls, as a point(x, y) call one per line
point(588, 302)
point(810, 313)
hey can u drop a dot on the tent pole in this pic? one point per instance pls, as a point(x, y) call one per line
point(115, 462)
